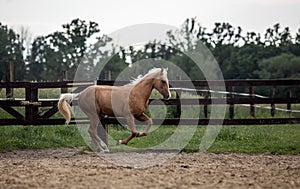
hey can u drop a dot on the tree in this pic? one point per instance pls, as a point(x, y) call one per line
point(37, 60)
point(275, 37)
point(11, 49)
point(61, 51)
point(281, 66)
point(238, 53)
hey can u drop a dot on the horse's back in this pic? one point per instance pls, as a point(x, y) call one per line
point(102, 99)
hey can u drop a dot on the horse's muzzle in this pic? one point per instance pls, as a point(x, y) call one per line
point(167, 96)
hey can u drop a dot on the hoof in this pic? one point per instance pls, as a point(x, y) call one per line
point(106, 151)
point(102, 151)
point(119, 142)
point(142, 134)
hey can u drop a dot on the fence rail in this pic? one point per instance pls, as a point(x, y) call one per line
point(33, 115)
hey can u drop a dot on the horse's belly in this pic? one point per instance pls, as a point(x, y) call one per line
point(107, 111)
point(115, 109)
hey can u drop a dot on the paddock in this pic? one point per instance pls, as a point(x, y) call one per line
point(64, 168)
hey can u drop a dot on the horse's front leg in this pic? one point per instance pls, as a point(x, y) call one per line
point(149, 121)
point(134, 133)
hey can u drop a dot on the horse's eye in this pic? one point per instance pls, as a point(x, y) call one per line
point(163, 81)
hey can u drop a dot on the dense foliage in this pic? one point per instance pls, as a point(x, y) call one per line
point(244, 55)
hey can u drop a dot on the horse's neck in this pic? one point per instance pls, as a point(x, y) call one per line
point(143, 89)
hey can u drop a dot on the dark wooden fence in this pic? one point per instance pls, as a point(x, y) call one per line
point(33, 116)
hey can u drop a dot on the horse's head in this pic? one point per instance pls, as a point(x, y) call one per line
point(161, 84)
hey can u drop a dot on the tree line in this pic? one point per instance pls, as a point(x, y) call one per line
point(240, 55)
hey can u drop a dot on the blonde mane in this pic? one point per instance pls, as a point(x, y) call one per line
point(141, 77)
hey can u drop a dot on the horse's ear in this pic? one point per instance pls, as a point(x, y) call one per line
point(162, 70)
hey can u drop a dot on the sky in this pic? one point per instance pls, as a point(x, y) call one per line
point(42, 17)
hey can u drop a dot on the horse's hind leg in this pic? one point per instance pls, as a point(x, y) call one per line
point(94, 123)
point(149, 121)
point(134, 133)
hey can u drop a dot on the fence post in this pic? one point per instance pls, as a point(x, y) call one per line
point(10, 78)
point(252, 109)
point(206, 96)
point(64, 77)
point(231, 106)
point(178, 96)
point(107, 74)
point(178, 107)
point(272, 104)
point(288, 105)
point(31, 95)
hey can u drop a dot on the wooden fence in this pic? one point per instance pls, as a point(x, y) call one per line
point(33, 116)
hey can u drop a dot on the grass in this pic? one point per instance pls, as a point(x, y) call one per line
point(274, 139)
point(38, 137)
point(277, 139)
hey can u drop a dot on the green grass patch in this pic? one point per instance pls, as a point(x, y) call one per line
point(38, 137)
point(274, 139)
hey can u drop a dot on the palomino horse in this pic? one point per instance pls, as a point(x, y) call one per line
point(129, 101)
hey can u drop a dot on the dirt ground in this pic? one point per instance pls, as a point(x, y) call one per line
point(64, 168)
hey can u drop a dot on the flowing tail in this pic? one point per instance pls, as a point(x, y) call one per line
point(64, 105)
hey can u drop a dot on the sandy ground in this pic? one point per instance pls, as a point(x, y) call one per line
point(63, 168)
